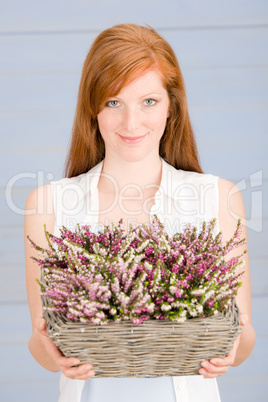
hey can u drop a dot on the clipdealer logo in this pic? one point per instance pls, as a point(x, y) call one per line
point(251, 189)
point(255, 190)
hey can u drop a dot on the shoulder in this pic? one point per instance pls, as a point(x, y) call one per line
point(69, 181)
point(185, 176)
point(231, 207)
point(39, 197)
point(39, 210)
point(191, 183)
point(78, 185)
point(68, 192)
point(230, 198)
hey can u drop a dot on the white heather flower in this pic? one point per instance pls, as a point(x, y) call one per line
point(224, 288)
point(96, 247)
point(65, 242)
point(173, 278)
point(61, 255)
point(166, 307)
point(218, 261)
point(199, 308)
point(124, 299)
point(180, 319)
point(138, 258)
point(84, 320)
point(216, 312)
point(172, 289)
point(74, 311)
point(180, 260)
point(148, 265)
point(130, 258)
point(142, 246)
point(197, 292)
point(179, 304)
point(143, 276)
point(89, 256)
point(150, 307)
point(103, 252)
point(208, 295)
point(193, 313)
point(220, 296)
point(95, 320)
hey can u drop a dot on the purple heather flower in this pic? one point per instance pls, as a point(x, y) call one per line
point(139, 274)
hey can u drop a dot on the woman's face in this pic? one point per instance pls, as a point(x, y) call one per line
point(133, 122)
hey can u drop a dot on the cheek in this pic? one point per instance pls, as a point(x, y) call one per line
point(102, 120)
point(106, 122)
point(159, 120)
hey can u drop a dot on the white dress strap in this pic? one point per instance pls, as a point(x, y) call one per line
point(196, 388)
point(181, 389)
point(70, 390)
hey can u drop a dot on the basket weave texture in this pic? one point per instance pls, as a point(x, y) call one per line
point(152, 349)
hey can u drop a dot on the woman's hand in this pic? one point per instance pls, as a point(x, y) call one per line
point(218, 366)
point(65, 364)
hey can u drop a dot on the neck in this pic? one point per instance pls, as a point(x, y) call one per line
point(131, 177)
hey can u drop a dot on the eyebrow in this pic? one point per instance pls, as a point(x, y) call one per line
point(151, 94)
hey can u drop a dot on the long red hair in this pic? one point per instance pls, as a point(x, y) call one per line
point(118, 56)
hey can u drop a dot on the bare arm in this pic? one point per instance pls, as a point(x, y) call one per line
point(231, 208)
point(39, 210)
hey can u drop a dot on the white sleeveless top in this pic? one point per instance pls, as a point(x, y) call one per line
point(183, 197)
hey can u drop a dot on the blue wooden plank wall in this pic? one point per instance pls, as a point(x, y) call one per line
point(222, 47)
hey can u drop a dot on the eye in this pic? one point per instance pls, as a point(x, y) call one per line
point(112, 103)
point(149, 102)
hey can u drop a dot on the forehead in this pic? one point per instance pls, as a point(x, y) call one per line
point(149, 82)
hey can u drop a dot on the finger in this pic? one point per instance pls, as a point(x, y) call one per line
point(210, 369)
point(82, 372)
point(207, 374)
point(225, 361)
point(244, 319)
point(68, 365)
point(229, 359)
point(66, 362)
point(41, 326)
point(62, 361)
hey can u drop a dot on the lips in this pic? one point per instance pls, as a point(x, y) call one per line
point(132, 140)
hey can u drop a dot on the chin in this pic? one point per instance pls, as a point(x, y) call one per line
point(134, 156)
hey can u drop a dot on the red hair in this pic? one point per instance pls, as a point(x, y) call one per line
point(118, 56)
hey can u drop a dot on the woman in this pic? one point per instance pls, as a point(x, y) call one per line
point(133, 154)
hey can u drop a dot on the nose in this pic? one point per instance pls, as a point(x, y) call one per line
point(131, 119)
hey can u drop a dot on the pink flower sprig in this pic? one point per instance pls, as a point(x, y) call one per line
point(140, 274)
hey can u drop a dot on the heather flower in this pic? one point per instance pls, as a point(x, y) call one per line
point(139, 274)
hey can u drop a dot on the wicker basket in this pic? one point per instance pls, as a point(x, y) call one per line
point(151, 349)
